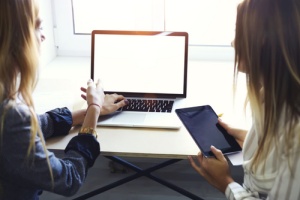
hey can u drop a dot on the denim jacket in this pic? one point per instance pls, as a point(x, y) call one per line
point(24, 176)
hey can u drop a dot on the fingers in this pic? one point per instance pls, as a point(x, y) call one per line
point(195, 166)
point(224, 125)
point(200, 158)
point(122, 103)
point(83, 89)
point(218, 153)
point(120, 100)
point(98, 84)
point(192, 162)
point(83, 96)
point(91, 83)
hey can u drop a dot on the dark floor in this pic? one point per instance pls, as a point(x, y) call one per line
point(143, 188)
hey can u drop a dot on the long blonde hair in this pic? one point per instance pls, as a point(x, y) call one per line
point(267, 49)
point(19, 53)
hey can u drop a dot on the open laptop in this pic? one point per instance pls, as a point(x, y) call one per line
point(149, 68)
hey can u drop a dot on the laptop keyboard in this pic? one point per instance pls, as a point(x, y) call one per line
point(148, 105)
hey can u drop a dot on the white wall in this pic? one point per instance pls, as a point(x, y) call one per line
point(48, 50)
point(67, 42)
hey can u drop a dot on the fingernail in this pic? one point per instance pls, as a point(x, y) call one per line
point(126, 101)
point(212, 146)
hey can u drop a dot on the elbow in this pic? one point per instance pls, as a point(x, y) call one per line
point(71, 191)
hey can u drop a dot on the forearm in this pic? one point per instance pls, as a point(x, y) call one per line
point(78, 117)
point(55, 122)
point(91, 117)
point(87, 144)
point(32, 170)
point(81, 116)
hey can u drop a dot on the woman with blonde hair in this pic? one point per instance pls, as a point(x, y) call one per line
point(26, 166)
point(267, 49)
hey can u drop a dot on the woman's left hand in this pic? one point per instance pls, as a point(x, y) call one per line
point(215, 169)
point(113, 102)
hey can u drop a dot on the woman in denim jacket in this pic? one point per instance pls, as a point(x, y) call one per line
point(26, 166)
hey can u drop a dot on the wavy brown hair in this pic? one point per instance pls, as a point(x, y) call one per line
point(267, 49)
point(19, 53)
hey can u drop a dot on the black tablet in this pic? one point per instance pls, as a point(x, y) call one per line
point(202, 124)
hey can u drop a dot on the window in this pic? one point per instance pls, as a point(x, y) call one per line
point(117, 15)
point(210, 23)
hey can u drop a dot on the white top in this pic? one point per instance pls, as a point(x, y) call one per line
point(276, 182)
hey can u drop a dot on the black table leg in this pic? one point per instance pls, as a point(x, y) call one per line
point(140, 172)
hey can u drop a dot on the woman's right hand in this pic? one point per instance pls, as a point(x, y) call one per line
point(238, 133)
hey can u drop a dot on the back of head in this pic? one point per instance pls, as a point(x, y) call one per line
point(18, 48)
point(267, 48)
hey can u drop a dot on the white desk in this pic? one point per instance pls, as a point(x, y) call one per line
point(208, 83)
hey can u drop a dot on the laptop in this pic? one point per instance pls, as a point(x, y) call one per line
point(149, 68)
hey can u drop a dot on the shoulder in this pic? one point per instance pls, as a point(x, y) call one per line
point(14, 113)
point(16, 128)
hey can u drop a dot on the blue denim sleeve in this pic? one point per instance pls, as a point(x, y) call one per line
point(87, 145)
point(56, 122)
point(23, 175)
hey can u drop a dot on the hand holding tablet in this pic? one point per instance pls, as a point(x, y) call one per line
point(202, 124)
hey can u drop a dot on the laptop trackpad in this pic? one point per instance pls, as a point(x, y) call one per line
point(126, 118)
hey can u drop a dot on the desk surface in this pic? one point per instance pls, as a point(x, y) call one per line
point(208, 83)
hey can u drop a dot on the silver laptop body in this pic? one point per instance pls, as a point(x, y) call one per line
point(147, 67)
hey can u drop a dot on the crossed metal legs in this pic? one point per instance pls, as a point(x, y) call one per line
point(140, 172)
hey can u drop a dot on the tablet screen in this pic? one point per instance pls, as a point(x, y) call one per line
point(202, 124)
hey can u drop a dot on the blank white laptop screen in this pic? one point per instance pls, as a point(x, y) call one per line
point(140, 63)
point(133, 62)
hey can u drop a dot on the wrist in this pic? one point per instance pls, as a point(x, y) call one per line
point(94, 108)
point(91, 118)
point(93, 104)
point(225, 184)
point(88, 130)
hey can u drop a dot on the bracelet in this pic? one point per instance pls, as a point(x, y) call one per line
point(88, 130)
point(93, 104)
